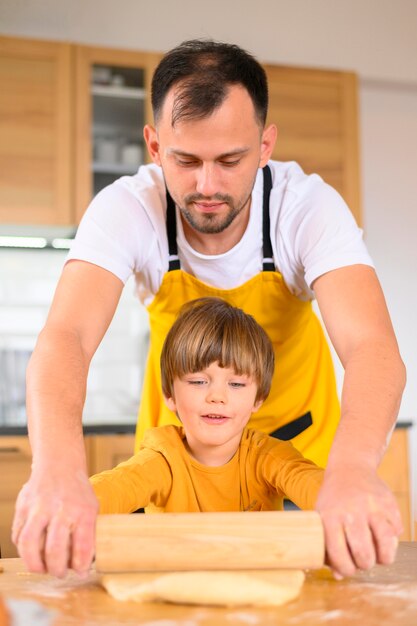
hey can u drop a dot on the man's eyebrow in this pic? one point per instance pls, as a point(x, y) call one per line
point(224, 155)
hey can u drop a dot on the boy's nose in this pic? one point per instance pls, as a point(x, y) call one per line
point(216, 395)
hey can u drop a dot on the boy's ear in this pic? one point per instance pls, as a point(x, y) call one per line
point(170, 402)
point(257, 405)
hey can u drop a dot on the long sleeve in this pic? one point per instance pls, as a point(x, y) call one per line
point(292, 475)
point(143, 479)
point(275, 469)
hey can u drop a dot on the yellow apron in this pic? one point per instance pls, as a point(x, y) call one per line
point(303, 405)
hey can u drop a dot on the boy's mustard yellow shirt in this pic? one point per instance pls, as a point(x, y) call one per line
point(163, 477)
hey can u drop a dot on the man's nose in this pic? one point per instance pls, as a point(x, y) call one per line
point(206, 180)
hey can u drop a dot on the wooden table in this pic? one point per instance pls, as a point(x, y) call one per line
point(385, 595)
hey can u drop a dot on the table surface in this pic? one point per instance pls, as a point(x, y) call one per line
point(385, 595)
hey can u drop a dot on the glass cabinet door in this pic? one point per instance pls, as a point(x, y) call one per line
point(112, 107)
point(118, 118)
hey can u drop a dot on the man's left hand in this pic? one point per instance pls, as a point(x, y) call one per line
point(361, 520)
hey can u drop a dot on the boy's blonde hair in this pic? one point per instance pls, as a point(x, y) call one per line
point(209, 330)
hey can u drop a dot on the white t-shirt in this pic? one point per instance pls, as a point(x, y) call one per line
point(312, 232)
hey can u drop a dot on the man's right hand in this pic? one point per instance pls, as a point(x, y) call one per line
point(54, 523)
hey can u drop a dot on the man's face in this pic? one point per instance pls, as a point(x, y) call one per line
point(210, 164)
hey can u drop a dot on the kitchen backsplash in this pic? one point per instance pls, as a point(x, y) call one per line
point(27, 284)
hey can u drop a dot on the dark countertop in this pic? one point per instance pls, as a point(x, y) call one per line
point(114, 429)
point(89, 429)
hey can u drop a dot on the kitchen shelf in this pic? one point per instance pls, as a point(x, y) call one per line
point(115, 168)
point(116, 91)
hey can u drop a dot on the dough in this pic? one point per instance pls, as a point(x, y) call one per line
point(237, 588)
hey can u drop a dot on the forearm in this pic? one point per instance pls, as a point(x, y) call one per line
point(306, 487)
point(373, 384)
point(56, 387)
point(116, 495)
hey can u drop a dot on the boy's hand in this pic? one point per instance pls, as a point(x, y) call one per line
point(361, 520)
point(54, 523)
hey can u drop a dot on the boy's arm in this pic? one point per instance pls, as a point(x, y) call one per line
point(292, 475)
point(132, 485)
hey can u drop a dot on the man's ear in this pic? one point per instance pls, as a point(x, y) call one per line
point(151, 137)
point(269, 137)
point(170, 402)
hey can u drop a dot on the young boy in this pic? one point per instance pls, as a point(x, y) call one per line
point(216, 365)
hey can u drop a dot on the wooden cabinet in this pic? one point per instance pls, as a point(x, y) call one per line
point(47, 124)
point(35, 132)
point(316, 112)
point(15, 467)
point(106, 451)
point(53, 103)
point(15, 464)
point(103, 452)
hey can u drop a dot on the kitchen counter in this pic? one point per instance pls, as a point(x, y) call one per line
point(385, 595)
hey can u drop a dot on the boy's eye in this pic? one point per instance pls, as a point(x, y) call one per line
point(237, 385)
point(196, 382)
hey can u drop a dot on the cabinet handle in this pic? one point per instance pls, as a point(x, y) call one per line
point(11, 449)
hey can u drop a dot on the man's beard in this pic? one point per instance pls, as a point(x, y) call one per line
point(211, 223)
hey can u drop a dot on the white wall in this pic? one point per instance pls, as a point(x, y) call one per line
point(27, 284)
point(375, 38)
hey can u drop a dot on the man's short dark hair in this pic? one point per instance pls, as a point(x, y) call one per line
point(204, 70)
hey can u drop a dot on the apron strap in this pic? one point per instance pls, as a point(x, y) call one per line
point(268, 264)
point(173, 260)
point(171, 224)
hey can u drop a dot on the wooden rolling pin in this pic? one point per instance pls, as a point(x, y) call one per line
point(209, 541)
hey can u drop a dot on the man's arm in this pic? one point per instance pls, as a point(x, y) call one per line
point(361, 518)
point(56, 510)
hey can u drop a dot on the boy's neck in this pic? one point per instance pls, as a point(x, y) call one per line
point(213, 456)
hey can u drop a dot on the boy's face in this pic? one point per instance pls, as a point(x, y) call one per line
point(214, 406)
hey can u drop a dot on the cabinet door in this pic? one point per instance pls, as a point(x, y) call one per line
point(15, 464)
point(112, 106)
point(316, 115)
point(107, 451)
point(35, 132)
point(15, 468)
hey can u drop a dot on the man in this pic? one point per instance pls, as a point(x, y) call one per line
point(213, 216)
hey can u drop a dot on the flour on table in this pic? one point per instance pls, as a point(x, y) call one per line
point(237, 588)
point(25, 612)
